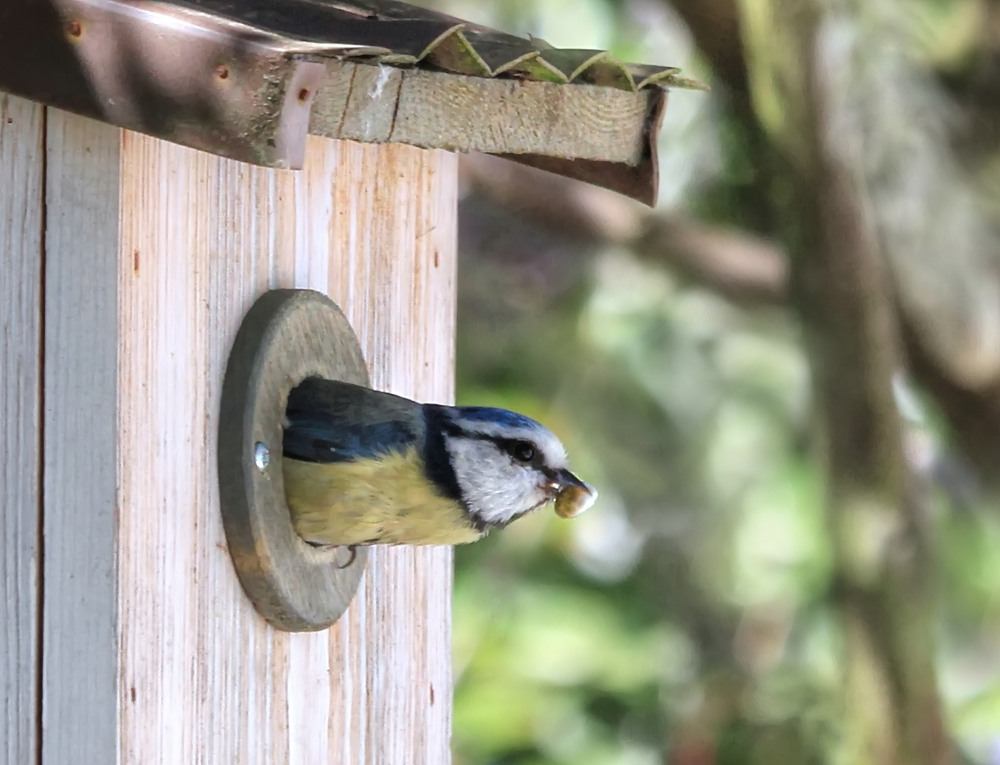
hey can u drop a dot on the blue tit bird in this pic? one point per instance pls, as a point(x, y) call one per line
point(363, 467)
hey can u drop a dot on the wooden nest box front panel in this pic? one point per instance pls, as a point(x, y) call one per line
point(129, 265)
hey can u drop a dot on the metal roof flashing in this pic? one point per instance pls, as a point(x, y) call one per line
point(249, 79)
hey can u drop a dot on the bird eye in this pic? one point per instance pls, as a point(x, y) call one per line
point(522, 451)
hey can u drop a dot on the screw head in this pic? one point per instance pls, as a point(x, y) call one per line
point(261, 457)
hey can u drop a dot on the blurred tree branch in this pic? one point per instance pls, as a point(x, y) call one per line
point(741, 266)
point(892, 710)
point(716, 27)
point(945, 258)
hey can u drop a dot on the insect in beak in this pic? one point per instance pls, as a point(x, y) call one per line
point(573, 496)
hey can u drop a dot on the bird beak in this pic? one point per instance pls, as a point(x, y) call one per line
point(573, 496)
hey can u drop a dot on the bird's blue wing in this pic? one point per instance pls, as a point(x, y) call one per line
point(329, 421)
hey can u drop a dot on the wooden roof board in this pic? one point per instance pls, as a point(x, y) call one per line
point(248, 78)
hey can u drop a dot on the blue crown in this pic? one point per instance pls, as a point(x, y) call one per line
point(504, 417)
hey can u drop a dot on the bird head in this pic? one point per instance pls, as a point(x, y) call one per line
point(506, 465)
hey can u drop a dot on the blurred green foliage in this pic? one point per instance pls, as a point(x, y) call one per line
point(687, 618)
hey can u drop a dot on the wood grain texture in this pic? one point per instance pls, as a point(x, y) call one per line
point(366, 102)
point(80, 446)
point(202, 678)
point(21, 205)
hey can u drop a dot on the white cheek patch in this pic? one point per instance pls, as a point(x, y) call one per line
point(494, 487)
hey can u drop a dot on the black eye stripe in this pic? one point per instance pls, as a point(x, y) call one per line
point(522, 451)
point(512, 446)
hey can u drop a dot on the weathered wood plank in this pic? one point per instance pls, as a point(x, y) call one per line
point(21, 206)
point(201, 677)
point(80, 445)
point(366, 102)
point(402, 277)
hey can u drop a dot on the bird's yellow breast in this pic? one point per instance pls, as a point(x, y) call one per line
point(385, 501)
